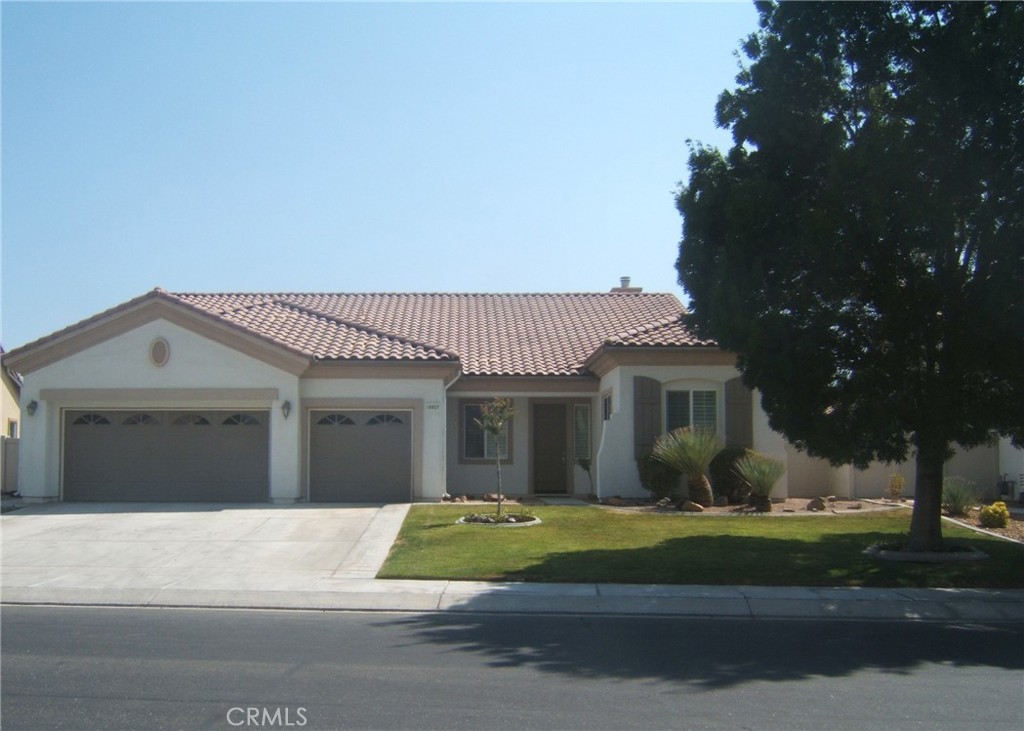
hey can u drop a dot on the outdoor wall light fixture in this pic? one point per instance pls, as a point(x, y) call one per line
point(32, 406)
point(286, 408)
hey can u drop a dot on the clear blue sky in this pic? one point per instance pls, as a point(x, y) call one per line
point(347, 147)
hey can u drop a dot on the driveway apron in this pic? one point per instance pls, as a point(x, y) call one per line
point(105, 549)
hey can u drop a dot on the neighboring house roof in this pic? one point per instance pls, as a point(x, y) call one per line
point(488, 334)
point(14, 376)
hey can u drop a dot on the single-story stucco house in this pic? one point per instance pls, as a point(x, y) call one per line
point(10, 423)
point(373, 398)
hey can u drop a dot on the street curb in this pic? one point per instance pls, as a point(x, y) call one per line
point(466, 598)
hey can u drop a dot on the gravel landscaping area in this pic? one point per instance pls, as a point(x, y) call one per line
point(1014, 531)
point(839, 506)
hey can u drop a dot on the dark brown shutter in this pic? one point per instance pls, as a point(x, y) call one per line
point(739, 414)
point(646, 414)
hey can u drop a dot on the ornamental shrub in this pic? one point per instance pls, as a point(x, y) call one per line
point(958, 495)
point(761, 472)
point(690, 450)
point(996, 515)
point(724, 478)
point(657, 477)
point(896, 484)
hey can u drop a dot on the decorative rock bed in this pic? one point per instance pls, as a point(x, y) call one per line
point(954, 554)
point(507, 521)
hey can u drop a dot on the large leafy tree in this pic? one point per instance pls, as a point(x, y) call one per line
point(860, 245)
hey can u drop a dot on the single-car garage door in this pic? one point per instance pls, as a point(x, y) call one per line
point(360, 456)
point(166, 456)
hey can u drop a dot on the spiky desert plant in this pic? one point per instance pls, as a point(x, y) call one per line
point(690, 451)
point(761, 472)
point(958, 495)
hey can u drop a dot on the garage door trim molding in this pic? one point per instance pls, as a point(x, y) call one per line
point(116, 398)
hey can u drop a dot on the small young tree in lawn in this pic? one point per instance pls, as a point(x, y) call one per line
point(494, 418)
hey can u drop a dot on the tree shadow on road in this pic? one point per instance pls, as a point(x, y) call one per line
point(715, 653)
point(724, 652)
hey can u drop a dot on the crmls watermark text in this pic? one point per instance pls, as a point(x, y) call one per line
point(262, 717)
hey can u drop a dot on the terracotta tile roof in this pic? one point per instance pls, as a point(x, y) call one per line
point(669, 332)
point(491, 334)
point(488, 334)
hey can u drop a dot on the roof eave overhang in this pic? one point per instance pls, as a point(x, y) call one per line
point(141, 311)
point(361, 368)
point(609, 357)
point(510, 384)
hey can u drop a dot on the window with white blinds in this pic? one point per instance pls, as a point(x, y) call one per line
point(698, 409)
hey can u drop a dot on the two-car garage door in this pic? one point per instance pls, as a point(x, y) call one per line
point(223, 456)
point(166, 456)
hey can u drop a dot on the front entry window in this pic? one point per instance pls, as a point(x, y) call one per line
point(581, 431)
point(478, 444)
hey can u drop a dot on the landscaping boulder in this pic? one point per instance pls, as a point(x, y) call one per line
point(688, 506)
point(817, 504)
point(491, 497)
point(664, 502)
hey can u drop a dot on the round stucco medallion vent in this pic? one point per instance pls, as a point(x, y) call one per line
point(159, 352)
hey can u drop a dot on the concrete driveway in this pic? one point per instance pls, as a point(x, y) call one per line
point(104, 551)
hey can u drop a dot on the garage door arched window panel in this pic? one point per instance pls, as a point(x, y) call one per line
point(141, 420)
point(241, 420)
point(92, 420)
point(191, 420)
point(336, 420)
point(384, 419)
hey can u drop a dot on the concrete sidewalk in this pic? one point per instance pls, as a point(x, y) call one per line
point(325, 558)
point(355, 594)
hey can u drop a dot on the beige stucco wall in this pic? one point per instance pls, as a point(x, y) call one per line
point(1011, 464)
point(810, 477)
point(90, 378)
point(9, 407)
point(9, 412)
point(615, 466)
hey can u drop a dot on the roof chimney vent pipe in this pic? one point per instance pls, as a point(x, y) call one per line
point(625, 288)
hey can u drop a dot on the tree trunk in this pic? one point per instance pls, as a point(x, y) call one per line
point(498, 463)
point(700, 490)
point(926, 520)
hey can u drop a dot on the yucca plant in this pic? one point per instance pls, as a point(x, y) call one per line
point(690, 451)
point(761, 472)
point(958, 495)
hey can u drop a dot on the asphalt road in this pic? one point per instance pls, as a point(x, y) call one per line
point(108, 668)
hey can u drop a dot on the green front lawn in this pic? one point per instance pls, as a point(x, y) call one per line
point(591, 544)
